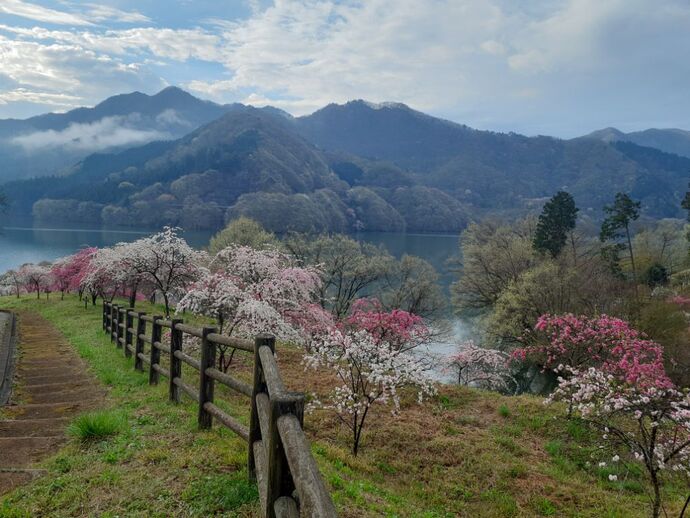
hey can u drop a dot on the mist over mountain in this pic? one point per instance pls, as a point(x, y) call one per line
point(672, 140)
point(357, 166)
point(46, 144)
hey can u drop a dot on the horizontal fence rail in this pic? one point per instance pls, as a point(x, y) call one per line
point(279, 455)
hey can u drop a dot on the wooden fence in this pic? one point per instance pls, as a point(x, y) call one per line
point(279, 455)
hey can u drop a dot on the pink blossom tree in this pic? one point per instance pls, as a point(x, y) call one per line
point(604, 342)
point(481, 367)
point(398, 329)
point(252, 291)
point(369, 370)
point(640, 420)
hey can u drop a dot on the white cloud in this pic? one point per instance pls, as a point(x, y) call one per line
point(29, 96)
point(40, 14)
point(103, 134)
point(102, 13)
point(492, 63)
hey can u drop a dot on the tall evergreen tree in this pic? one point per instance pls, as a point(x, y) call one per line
point(685, 204)
point(616, 226)
point(556, 221)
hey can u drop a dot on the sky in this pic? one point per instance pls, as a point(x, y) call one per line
point(551, 67)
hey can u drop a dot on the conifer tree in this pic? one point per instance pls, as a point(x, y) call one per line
point(616, 226)
point(556, 221)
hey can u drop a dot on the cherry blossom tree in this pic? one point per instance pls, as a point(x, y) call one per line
point(639, 420)
point(369, 371)
point(106, 273)
point(252, 291)
point(481, 367)
point(13, 280)
point(166, 262)
point(605, 342)
point(35, 277)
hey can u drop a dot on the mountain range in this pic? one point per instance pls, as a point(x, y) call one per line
point(672, 140)
point(353, 166)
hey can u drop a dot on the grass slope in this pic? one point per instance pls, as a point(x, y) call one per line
point(464, 453)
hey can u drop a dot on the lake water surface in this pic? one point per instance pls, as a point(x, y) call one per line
point(22, 241)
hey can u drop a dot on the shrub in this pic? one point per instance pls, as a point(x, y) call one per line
point(96, 425)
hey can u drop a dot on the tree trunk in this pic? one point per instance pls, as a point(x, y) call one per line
point(132, 297)
point(656, 506)
point(632, 260)
point(167, 304)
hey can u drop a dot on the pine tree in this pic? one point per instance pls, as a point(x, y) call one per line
point(556, 221)
point(617, 226)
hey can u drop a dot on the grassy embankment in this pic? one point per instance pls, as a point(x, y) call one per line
point(463, 453)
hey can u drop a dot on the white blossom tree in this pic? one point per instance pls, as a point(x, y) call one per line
point(369, 372)
point(645, 421)
point(35, 278)
point(106, 273)
point(12, 280)
point(480, 367)
point(166, 262)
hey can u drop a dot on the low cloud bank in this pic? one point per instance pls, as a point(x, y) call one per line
point(105, 133)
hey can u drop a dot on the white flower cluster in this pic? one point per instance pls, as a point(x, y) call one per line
point(369, 372)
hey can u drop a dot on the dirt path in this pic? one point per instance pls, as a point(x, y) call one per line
point(52, 385)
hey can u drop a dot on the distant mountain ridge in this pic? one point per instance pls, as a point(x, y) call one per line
point(670, 140)
point(357, 166)
point(45, 144)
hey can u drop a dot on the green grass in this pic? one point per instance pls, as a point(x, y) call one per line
point(96, 425)
point(463, 453)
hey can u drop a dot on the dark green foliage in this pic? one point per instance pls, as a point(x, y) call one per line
point(656, 275)
point(616, 226)
point(556, 221)
point(685, 203)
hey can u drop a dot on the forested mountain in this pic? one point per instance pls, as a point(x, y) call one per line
point(489, 171)
point(46, 144)
point(345, 167)
point(670, 140)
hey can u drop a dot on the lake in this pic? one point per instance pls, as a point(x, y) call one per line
point(22, 241)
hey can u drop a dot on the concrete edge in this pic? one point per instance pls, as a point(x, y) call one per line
point(8, 347)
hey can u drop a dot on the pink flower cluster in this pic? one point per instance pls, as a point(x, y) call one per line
point(604, 342)
point(399, 329)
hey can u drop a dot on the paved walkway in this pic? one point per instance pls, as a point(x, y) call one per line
point(51, 387)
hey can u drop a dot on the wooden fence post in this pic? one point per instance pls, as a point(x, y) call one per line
point(113, 312)
point(175, 363)
point(278, 479)
point(129, 323)
point(156, 331)
point(208, 359)
point(259, 386)
point(106, 316)
point(139, 343)
point(120, 330)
